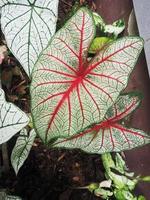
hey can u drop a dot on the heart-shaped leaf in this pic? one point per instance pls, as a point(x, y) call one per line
point(22, 148)
point(12, 119)
point(110, 135)
point(28, 26)
point(68, 92)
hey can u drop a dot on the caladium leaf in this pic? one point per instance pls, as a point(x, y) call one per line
point(28, 26)
point(4, 196)
point(22, 148)
point(68, 92)
point(110, 135)
point(116, 28)
point(12, 119)
point(98, 20)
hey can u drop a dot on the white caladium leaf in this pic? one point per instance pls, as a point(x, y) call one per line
point(4, 196)
point(68, 92)
point(28, 25)
point(12, 119)
point(22, 148)
point(110, 135)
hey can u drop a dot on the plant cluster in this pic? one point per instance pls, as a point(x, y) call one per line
point(77, 83)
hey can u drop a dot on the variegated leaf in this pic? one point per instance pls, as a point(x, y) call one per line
point(12, 119)
point(70, 93)
point(28, 26)
point(110, 135)
point(22, 148)
point(4, 196)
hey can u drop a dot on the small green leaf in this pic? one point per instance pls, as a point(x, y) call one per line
point(108, 162)
point(98, 20)
point(145, 179)
point(98, 43)
point(123, 195)
point(141, 198)
point(120, 164)
point(22, 148)
point(122, 182)
point(93, 186)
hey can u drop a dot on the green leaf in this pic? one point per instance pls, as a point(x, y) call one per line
point(22, 148)
point(122, 182)
point(110, 135)
point(108, 162)
point(141, 197)
point(120, 164)
point(98, 43)
point(116, 28)
point(92, 187)
point(112, 29)
point(98, 20)
point(121, 167)
point(28, 26)
point(69, 93)
point(145, 179)
point(12, 119)
point(123, 195)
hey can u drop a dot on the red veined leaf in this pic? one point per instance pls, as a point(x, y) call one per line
point(68, 93)
point(110, 135)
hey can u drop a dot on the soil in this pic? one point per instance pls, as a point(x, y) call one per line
point(52, 174)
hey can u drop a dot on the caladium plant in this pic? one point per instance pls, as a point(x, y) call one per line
point(71, 92)
point(28, 26)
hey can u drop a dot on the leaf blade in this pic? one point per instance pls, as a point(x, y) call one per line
point(91, 87)
point(12, 119)
point(27, 39)
point(22, 149)
point(110, 135)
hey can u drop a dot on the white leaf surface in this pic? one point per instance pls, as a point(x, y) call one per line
point(4, 196)
point(12, 119)
point(22, 148)
point(10, 197)
point(28, 25)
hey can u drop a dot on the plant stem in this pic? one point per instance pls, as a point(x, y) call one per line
point(6, 167)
